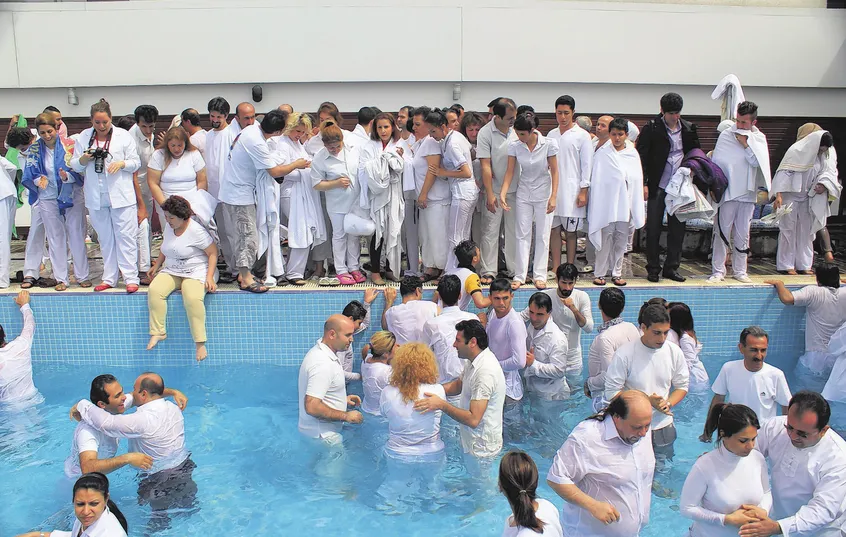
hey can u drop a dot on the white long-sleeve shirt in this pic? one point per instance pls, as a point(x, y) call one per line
point(575, 160)
point(406, 321)
point(809, 485)
point(16, 363)
point(156, 429)
point(566, 321)
point(698, 375)
point(105, 526)
point(507, 340)
point(105, 189)
point(718, 484)
point(602, 350)
point(603, 466)
point(545, 377)
point(439, 334)
point(638, 367)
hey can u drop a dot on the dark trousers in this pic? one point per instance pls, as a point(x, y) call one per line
point(675, 236)
point(376, 256)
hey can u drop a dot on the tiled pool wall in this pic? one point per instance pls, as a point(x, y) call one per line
point(279, 327)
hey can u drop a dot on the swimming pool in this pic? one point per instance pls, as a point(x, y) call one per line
point(255, 475)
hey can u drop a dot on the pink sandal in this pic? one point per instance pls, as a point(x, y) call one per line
point(358, 276)
point(346, 279)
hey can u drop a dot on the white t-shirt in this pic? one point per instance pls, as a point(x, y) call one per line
point(428, 146)
point(535, 179)
point(762, 391)
point(321, 376)
point(375, 376)
point(249, 154)
point(87, 438)
point(198, 140)
point(185, 255)
point(483, 380)
point(181, 174)
point(546, 513)
point(406, 321)
point(456, 150)
point(826, 311)
point(411, 433)
point(216, 155)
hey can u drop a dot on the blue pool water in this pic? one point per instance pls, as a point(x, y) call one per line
point(256, 476)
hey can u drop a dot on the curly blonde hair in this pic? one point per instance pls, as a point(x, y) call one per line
point(413, 364)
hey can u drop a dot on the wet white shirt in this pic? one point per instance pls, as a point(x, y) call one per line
point(566, 321)
point(411, 433)
point(535, 179)
point(762, 391)
point(507, 340)
point(87, 438)
point(825, 312)
point(483, 380)
point(691, 349)
point(718, 484)
point(545, 377)
point(181, 174)
point(439, 334)
point(375, 376)
point(406, 321)
point(105, 526)
point(185, 255)
point(602, 350)
point(16, 363)
point(808, 484)
point(156, 429)
point(321, 376)
point(603, 466)
point(638, 367)
point(546, 513)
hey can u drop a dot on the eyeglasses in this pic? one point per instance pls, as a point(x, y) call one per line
point(800, 434)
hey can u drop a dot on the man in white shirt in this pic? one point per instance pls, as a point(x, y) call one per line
point(808, 472)
point(482, 389)
point(406, 320)
point(359, 312)
point(546, 359)
point(507, 336)
point(361, 133)
point(323, 399)
point(743, 155)
point(613, 333)
point(16, 384)
point(439, 332)
point(656, 367)
point(245, 115)
point(492, 152)
point(143, 132)
point(604, 471)
point(575, 158)
point(751, 381)
point(218, 142)
point(825, 312)
point(196, 134)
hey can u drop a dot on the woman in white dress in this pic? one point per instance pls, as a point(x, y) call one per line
point(729, 477)
point(96, 513)
point(530, 515)
point(681, 322)
point(376, 369)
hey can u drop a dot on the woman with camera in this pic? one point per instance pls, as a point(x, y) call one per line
point(108, 156)
point(176, 168)
point(57, 191)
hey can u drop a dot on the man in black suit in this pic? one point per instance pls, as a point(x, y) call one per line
point(662, 144)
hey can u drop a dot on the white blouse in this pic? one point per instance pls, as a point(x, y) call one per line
point(105, 526)
point(546, 513)
point(181, 173)
point(374, 377)
point(535, 179)
point(411, 434)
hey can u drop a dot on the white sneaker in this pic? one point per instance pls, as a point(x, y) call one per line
point(743, 278)
point(716, 278)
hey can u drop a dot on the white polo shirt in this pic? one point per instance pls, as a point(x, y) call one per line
point(535, 179)
point(321, 376)
point(248, 155)
point(492, 144)
point(406, 321)
point(507, 341)
point(456, 151)
point(483, 380)
point(762, 391)
point(545, 377)
point(439, 334)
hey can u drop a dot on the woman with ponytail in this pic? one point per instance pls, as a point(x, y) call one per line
point(376, 369)
point(727, 478)
point(96, 514)
point(531, 516)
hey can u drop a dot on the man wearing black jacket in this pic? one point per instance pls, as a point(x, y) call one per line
point(662, 144)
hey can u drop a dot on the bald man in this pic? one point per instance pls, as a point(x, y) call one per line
point(323, 398)
point(286, 108)
point(602, 133)
point(245, 115)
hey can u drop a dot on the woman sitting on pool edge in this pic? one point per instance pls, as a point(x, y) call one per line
point(96, 513)
point(188, 262)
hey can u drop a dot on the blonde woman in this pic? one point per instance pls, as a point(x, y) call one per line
point(412, 435)
point(176, 168)
point(376, 369)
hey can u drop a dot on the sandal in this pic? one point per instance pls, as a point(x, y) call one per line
point(255, 287)
point(45, 283)
point(487, 279)
point(809, 272)
point(102, 287)
point(619, 282)
point(131, 288)
point(346, 279)
point(516, 285)
point(540, 283)
point(299, 282)
point(599, 281)
point(376, 278)
point(326, 281)
point(586, 269)
point(358, 276)
point(61, 287)
point(28, 282)
point(145, 281)
point(85, 284)
point(428, 277)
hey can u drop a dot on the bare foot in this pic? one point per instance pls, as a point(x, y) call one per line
point(202, 353)
point(154, 340)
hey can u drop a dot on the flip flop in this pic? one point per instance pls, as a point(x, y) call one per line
point(486, 279)
point(255, 287)
point(299, 282)
point(599, 281)
point(516, 285)
point(540, 283)
point(619, 282)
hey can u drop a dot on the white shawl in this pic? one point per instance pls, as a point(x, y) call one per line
point(306, 227)
point(267, 202)
point(731, 93)
point(730, 156)
point(820, 204)
point(618, 176)
point(384, 177)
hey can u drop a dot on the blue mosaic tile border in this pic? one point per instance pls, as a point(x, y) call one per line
point(279, 327)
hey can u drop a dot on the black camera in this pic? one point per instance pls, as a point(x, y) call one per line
point(99, 155)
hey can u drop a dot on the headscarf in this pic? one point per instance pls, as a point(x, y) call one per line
point(807, 129)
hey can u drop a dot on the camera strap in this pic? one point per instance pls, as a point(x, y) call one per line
point(108, 140)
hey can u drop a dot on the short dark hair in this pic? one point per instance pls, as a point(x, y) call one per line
point(671, 103)
point(525, 122)
point(178, 207)
point(125, 122)
point(457, 108)
point(274, 121)
point(408, 109)
point(619, 124)
point(192, 116)
point(523, 108)
point(754, 331)
point(653, 314)
point(612, 301)
point(826, 140)
point(219, 105)
point(566, 100)
point(465, 252)
point(503, 105)
point(52, 108)
point(147, 112)
point(355, 311)
point(449, 289)
point(493, 102)
point(420, 111)
point(472, 328)
point(153, 383)
point(655, 301)
point(410, 284)
point(501, 284)
point(18, 136)
point(566, 271)
point(98, 389)
point(541, 300)
point(366, 114)
point(436, 117)
point(748, 108)
point(828, 275)
point(808, 401)
point(729, 419)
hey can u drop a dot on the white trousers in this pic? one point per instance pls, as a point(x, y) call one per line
point(117, 230)
point(346, 249)
point(35, 248)
point(795, 242)
point(297, 257)
point(529, 214)
point(433, 235)
point(630, 244)
point(458, 227)
point(410, 234)
point(77, 227)
point(7, 221)
point(57, 238)
point(489, 247)
point(143, 238)
point(615, 236)
point(735, 218)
